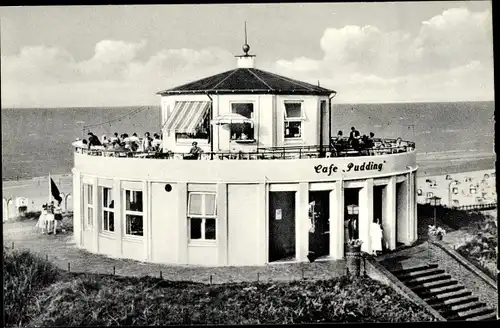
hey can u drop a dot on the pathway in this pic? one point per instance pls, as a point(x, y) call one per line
point(61, 250)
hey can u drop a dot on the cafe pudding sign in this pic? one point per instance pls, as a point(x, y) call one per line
point(349, 167)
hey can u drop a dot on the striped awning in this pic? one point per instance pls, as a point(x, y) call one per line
point(187, 116)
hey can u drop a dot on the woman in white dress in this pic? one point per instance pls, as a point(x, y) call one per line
point(376, 237)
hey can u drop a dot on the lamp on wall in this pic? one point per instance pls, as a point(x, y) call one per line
point(434, 202)
point(352, 209)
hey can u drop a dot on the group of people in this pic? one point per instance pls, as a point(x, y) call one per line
point(124, 142)
point(355, 141)
point(377, 242)
point(51, 217)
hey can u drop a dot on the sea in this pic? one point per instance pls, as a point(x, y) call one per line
point(37, 141)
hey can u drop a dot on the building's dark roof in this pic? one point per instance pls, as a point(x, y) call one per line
point(247, 81)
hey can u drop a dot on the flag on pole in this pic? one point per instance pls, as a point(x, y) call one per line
point(55, 191)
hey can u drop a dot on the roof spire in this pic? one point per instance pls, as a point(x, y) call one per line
point(246, 47)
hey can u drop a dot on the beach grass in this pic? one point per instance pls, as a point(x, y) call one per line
point(39, 294)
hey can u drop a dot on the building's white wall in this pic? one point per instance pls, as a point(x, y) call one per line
point(88, 239)
point(310, 126)
point(265, 127)
point(246, 235)
point(133, 248)
point(246, 205)
point(203, 255)
point(77, 203)
point(164, 223)
point(268, 116)
point(108, 245)
point(325, 115)
point(402, 212)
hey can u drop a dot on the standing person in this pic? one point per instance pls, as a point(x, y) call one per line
point(354, 137)
point(147, 142)
point(134, 142)
point(115, 138)
point(347, 231)
point(156, 142)
point(376, 237)
point(93, 140)
point(58, 217)
point(126, 140)
point(353, 228)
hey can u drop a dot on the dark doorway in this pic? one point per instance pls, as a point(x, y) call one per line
point(351, 221)
point(281, 225)
point(377, 202)
point(400, 204)
point(319, 215)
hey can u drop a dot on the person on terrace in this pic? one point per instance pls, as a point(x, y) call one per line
point(195, 151)
point(369, 142)
point(147, 142)
point(105, 141)
point(93, 140)
point(115, 138)
point(354, 138)
point(134, 142)
point(156, 142)
point(336, 143)
point(126, 140)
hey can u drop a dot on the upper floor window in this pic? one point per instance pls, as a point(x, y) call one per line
point(294, 117)
point(108, 210)
point(202, 216)
point(202, 130)
point(133, 213)
point(242, 131)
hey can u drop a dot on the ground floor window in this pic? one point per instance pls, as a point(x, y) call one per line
point(134, 225)
point(108, 211)
point(88, 201)
point(202, 216)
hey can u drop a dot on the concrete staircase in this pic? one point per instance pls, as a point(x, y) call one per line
point(452, 300)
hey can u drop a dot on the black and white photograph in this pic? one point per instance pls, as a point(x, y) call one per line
point(248, 163)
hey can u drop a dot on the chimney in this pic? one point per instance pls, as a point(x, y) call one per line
point(246, 60)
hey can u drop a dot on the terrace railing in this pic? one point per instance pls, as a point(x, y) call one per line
point(387, 146)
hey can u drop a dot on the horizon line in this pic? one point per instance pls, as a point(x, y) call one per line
point(333, 104)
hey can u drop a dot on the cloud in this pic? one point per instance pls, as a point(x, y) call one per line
point(447, 57)
point(368, 64)
point(110, 59)
point(113, 76)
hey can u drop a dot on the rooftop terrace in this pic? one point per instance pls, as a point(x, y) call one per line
point(382, 147)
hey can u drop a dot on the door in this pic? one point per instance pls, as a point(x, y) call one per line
point(281, 225)
point(319, 232)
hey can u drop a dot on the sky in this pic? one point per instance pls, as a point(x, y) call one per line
point(85, 56)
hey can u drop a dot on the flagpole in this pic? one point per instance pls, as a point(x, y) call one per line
point(50, 189)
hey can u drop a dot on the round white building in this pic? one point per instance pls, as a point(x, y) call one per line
point(268, 186)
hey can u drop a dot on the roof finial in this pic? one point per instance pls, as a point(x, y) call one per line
point(246, 47)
